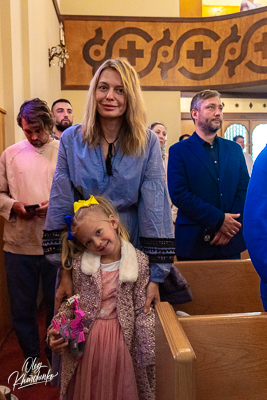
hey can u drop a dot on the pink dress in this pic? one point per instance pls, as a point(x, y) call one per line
point(105, 371)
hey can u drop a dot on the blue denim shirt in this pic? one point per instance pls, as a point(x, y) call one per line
point(137, 188)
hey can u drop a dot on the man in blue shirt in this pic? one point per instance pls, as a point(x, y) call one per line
point(207, 178)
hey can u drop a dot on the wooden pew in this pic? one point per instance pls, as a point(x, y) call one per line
point(221, 287)
point(216, 357)
point(244, 255)
point(174, 357)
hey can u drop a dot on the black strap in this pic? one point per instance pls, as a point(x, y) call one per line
point(111, 148)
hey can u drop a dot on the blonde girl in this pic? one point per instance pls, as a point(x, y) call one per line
point(111, 277)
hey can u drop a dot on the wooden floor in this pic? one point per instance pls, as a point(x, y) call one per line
point(11, 360)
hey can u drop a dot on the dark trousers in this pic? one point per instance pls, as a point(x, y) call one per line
point(23, 275)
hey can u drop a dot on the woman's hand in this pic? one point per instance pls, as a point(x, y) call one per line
point(55, 344)
point(65, 288)
point(152, 295)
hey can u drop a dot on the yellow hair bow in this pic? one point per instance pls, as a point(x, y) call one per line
point(84, 203)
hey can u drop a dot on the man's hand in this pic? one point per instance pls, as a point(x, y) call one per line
point(152, 294)
point(19, 210)
point(230, 226)
point(41, 211)
point(56, 344)
point(65, 288)
point(221, 239)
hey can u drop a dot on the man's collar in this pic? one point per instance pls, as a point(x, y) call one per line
point(202, 141)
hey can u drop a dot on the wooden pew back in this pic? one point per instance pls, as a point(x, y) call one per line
point(228, 356)
point(221, 287)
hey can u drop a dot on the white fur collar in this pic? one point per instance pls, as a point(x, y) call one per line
point(128, 265)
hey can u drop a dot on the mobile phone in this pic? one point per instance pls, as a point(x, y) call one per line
point(32, 207)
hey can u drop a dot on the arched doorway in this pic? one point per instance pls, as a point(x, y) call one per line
point(259, 139)
point(236, 130)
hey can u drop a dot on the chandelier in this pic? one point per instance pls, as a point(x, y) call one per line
point(59, 51)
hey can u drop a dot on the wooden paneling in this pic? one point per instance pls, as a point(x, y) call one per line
point(231, 353)
point(255, 122)
point(226, 123)
point(220, 357)
point(221, 287)
point(5, 315)
point(222, 52)
point(2, 130)
point(187, 126)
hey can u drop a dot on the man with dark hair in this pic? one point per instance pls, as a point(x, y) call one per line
point(26, 173)
point(207, 178)
point(63, 116)
point(249, 161)
point(236, 139)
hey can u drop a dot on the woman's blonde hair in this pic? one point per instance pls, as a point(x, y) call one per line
point(73, 248)
point(132, 134)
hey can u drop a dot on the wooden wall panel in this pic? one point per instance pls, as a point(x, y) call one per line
point(187, 127)
point(5, 315)
point(222, 52)
point(2, 130)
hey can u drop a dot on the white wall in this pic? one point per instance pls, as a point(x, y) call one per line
point(28, 29)
point(144, 8)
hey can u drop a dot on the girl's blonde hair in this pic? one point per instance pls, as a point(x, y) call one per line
point(132, 134)
point(73, 248)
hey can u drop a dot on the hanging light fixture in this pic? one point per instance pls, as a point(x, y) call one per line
point(59, 51)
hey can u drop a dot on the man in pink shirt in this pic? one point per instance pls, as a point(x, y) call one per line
point(26, 172)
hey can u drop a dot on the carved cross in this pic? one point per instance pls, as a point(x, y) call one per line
point(198, 54)
point(131, 53)
point(262, 46)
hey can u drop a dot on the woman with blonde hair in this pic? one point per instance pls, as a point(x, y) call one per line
point(112, 154)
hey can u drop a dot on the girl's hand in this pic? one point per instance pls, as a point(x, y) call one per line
point(56, 345)
point(152, 294)
point(65, 288)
